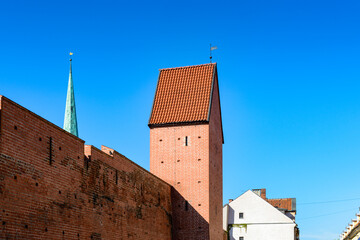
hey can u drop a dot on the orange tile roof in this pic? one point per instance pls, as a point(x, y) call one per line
point(284, 203)
point(183, 95)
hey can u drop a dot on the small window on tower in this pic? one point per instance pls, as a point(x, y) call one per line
point(186, 205)
point(186, 140)
point(241, 215)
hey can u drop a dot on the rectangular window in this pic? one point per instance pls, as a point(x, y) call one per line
point(241, 238)
point(186, 140)
point(186, 205)
point(241, 215)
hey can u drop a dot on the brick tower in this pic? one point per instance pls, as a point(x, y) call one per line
point(186, 148)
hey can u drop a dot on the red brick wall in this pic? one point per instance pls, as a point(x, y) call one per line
point(51, 189)
point(187, 169)
point(263, 193)
point(215, 166)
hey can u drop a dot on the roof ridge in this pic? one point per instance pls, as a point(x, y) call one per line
point(278, 198)
point(191, 66)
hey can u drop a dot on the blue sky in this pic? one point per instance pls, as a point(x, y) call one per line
point(289, 83)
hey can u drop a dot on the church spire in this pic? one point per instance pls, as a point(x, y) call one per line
point(70, 121)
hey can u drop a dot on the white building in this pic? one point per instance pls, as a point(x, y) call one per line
point(250, 217)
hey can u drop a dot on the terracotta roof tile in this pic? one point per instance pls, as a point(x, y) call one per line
point(183, 95)
point(284, 203)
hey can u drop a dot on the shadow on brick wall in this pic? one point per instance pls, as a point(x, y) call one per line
point(187, 223)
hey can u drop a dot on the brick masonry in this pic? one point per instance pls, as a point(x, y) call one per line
point(216, 179)
point(52, 186)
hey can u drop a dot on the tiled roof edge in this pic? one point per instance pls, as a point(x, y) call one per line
point(191, 66)
point(177, 123)
point(152, 108)
point(215, 77)
point(279, 198)
point(211, 92)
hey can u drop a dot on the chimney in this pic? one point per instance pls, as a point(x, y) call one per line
point(260, 192)
point(263, 193)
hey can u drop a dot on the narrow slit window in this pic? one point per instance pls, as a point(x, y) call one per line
point(186, 205)
point(186, 140)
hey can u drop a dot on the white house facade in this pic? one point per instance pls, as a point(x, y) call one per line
point(250, 217)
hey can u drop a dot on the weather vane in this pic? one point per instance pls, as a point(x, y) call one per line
point(211, 49)
point(71, 53)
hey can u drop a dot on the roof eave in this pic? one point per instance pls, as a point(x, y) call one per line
point(171, 124)
point(152, 108)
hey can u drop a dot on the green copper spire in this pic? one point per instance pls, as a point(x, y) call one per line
point(70, 121)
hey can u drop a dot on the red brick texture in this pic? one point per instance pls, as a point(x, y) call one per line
point(263, 193)
point(215, 165)
point(187, 169)
point(54, 187)
point(189, 157)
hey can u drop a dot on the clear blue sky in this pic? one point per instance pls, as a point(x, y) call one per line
point(289, 84)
